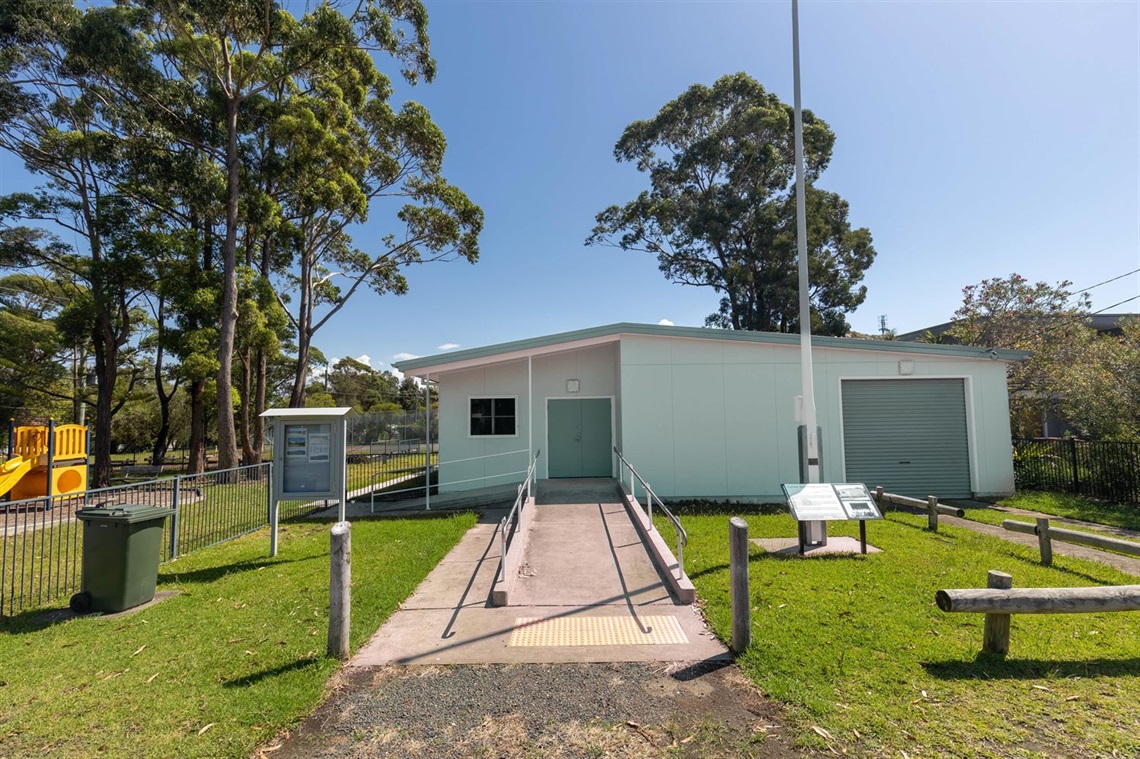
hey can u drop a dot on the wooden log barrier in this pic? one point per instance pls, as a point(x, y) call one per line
point(1068, 536)
point(738, 570)
point(340, 585)
point(999, 600)
point(1041, 600)
point(1044, 542)
point(930, 505)
point(995, 632)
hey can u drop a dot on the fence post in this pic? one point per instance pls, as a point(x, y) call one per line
point(269, 492)
point(1044, 542)
point(932, 512)
point(738, 569)
point(995, 635)
point(879, 499)
point(1073, 459)
point(427, 443)
point(175, 505)
point(340, 587)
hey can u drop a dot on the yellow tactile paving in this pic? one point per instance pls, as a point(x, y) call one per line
point(597, 631)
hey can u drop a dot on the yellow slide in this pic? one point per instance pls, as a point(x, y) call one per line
point(13, 471)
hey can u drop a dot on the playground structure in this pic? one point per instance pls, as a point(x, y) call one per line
point(45, 461)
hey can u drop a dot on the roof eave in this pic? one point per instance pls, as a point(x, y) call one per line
point(518, 349)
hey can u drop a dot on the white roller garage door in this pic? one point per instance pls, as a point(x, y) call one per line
point(908, 435)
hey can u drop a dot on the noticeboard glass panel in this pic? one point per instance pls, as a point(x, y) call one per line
point(307, 465)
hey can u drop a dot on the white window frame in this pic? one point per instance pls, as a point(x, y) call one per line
point(492, 398)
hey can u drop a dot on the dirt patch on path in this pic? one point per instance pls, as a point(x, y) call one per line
point(629, 709)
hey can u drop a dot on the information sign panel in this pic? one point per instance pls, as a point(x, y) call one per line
point(830, 502)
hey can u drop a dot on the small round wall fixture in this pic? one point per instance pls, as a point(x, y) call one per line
point(572, 386)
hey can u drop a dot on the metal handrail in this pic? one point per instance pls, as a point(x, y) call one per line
point(480, 458)
point(650, 497)
point(435, 467)
point(508, 523)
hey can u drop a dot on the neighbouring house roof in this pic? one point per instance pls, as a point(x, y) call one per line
point(612, 333)
point(1102, 323)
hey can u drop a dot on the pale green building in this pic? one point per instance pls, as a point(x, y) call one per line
point(712, 413)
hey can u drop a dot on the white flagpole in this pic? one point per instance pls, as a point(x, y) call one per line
point(811, 449)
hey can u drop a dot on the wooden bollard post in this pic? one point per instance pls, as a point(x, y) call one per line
point(340, 595)
point(932, 512)
point(879, 500)
point(1044, 542)
point(741, 602)
point(995, 635)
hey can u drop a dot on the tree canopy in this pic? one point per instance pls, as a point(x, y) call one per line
point(720, 209)
point(1091, 379)
point(202, 168)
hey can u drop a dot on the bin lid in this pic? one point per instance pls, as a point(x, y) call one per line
point(122, 513)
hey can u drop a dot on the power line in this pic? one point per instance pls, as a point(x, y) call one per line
point(1084, 317)
point(1098, 284)
point(1114, 305)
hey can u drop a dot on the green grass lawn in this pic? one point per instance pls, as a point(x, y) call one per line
point(855, 646)
point(1074, 507)
point(237, 656)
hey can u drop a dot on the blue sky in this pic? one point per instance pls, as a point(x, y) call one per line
point(973, 139)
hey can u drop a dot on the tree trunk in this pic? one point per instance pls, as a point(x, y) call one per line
point(262, 378)
point(162, 439)
point(197, 455)
point(243, 408)
point(227, 444)
point(106, 373)
point(79, 380)
point(297, 398)
point(259, 407)
point(304, 335)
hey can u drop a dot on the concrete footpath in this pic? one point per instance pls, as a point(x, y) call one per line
point(587, 592)
point(593, 657)
point(1127, 564)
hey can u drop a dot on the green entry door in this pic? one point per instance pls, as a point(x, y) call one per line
point(579, 436)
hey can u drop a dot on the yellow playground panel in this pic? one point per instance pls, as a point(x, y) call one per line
point(39, 456)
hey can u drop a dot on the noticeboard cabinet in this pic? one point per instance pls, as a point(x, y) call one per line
point(309, 452)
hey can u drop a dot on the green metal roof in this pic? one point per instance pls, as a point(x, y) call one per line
point(704, 333)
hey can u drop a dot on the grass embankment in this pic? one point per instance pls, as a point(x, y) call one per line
point(1062, 505)
point(856, 647)
point(238, 655)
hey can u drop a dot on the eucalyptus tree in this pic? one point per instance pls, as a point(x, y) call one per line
point(349, 149)
point(720, 208)
point(261, 326)
point(32, 354)
point(238, 49)
point(356, 384)
point(60, 116)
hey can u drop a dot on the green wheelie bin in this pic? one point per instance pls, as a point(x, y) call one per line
point(121, 547)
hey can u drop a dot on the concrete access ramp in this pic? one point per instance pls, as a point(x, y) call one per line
point(586, 590)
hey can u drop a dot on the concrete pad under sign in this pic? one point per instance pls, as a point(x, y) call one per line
point(836, 546)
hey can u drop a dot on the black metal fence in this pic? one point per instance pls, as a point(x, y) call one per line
point(1103, 469)
point(40, 539)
